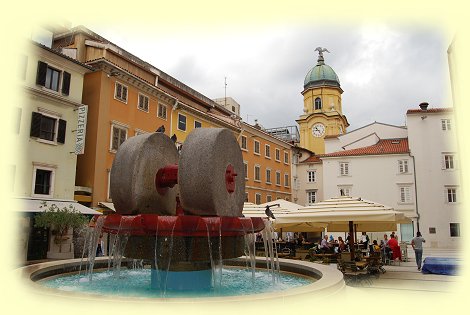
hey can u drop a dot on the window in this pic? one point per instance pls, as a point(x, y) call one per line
point(43, 180)
point(269, 198)
point(161, 111)
point(143, 103)
point(454, 229)
point(278, 155)
point(317, 103)
point(405, 194)
point(244, 144)
point(445, 124)
point(245, 165)
point(181, 122)
point(268, 176)
point(311, 197)
point(403, 166)
point(345, 190)
point(286, 180)
point(451, 194)
point(108, 193)
point(42, 184)
point(286, 157)
point(449, 161)
point(344, 168)
point(257, 173)
point(118, 136)
point(48, 127)
point(278, 178)
point(256, 147)
point(246, 196)
point(233, 109)
point(432, 230)
point(267, 151)
point(51, 78)
point(257, 199)
point(197, 124)
point(120, 92)
point(311, 176)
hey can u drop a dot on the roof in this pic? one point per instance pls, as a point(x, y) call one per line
point(383, 146)
point(430, 110)
point(62, 55)
point(312, 159)
point(321, 75)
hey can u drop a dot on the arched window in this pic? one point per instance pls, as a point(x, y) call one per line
point(318, 103)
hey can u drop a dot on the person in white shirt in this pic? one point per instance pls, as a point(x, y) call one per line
point(417, 244)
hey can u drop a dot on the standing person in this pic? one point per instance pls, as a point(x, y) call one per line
point(365, 240)
point(393, 244)
point(417, 244)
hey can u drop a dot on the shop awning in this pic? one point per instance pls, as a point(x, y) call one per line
point(36, 205)
point(108, 205)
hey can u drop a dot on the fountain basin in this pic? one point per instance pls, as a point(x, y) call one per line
point(329, 281)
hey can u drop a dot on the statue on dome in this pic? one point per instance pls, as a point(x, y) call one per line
point(321, 50)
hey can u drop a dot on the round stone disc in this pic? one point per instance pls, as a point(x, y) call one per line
point(205, 156)
point(132, 186)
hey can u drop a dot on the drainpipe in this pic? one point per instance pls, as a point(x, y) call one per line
point(416, 191)
point(174, 107)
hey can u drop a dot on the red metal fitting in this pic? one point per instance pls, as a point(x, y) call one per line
point(230, 178)
point(166, 177)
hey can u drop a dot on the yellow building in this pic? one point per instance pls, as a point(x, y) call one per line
point(267, 161)
point(322, 113)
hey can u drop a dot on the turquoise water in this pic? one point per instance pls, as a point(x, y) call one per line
point(136, 283)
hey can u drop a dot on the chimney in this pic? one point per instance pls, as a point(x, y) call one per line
point(424, 106)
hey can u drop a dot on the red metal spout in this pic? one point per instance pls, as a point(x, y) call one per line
point(230, 178)
point(166, 177)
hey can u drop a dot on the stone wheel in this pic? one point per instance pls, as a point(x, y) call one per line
point(206, 157)
point(133, 172)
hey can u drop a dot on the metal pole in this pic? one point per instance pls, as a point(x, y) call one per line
point(351, 239)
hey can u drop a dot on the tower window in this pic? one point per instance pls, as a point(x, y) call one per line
point(317, 103)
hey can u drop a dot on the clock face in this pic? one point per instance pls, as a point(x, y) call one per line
point(318, 130)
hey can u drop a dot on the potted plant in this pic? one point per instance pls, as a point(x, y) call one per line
point(60, 220)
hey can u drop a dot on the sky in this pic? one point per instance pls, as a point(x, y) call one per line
point(384, 69)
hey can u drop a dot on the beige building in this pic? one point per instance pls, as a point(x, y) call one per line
point(45, 129)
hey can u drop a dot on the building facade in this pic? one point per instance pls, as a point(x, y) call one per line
point(322, 112)
point(46, 131)
point(433, 145)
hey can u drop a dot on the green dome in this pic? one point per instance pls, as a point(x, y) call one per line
point(321, 75)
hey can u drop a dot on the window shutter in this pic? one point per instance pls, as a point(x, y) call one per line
point(66, 83)
point(61, 132)
point(35, 125)
point(41, 74)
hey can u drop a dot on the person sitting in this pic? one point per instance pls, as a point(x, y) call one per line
point(300, 240)
point(375, 246)
point(393, 244)
point(325, 246)
point(341, 245)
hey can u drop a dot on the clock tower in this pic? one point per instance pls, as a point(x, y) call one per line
point(323, 116)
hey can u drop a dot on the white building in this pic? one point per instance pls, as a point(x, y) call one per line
point(433, 144)
point(230, 104)
point(382, 172)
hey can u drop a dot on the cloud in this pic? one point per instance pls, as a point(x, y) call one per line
point(384, 69)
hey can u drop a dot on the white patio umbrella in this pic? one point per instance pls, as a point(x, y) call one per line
point(285, 209)
point(342, 214)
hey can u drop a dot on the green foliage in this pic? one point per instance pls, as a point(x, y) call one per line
point(59, 220)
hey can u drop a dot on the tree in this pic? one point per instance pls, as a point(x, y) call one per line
point(59, 220)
